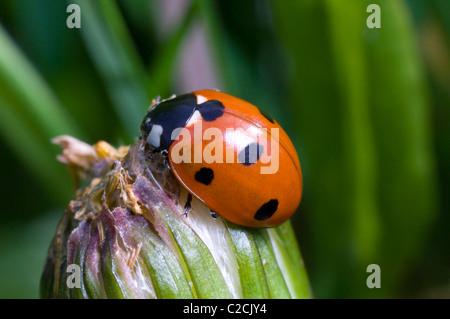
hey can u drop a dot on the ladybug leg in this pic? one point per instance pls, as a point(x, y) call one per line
point(165, 154)
point(214, 214)
point(187, 206)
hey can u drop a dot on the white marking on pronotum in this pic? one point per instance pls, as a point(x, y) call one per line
point(201, 99)
point(154, 137)
point(194, 118)
point(168, 99)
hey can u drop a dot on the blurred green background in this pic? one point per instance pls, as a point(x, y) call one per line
point(368, 111)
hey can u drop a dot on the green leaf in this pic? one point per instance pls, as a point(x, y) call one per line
point(193, 255)
point(274, 277)
point(250, 265)
point(290, 260)
point(166, 273)
point(207, 281)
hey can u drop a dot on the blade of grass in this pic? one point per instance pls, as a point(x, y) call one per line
point(323, 123)
point(23, 249)
point(290, 260)
point(235, 75)
point(24, 89)
point(276, 282)
point(312, 96)
point(112, 51)
point(394, 109)
point(346, 26)
point(162, 66)
point(196, 260)
point(142, 14)
point(251, 269)
point(30, 115)
point(35, 153)
point(238, 73)
point(402, 122)
point(217, 40)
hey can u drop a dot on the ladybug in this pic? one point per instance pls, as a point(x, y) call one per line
point(229, 154)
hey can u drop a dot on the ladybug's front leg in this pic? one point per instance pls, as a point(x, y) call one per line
point(187, 206)
point(165, 154)
point(214, 214)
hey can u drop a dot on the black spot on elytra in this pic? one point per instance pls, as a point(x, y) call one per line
point(250, 154)
point(267, 210)
point(211, 110)
point(204, 175)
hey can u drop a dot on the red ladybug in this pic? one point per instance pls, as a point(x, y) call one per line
point(229, 154)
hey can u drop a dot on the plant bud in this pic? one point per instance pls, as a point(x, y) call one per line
point(126, 235)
